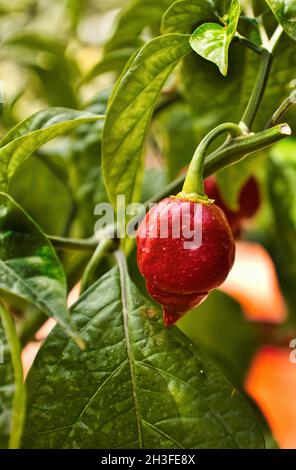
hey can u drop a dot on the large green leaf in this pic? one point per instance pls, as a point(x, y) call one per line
point(12, 390)
point(29, 267)
point(285, 12)
point(138, 385)
point(129, 115)
point(211, 40)
point(25, 138)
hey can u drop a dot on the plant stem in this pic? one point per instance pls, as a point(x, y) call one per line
point(281, 111)
point(246, 42)
point(258, 91)
point(227, 155)
point(19, 399)
point(243, 147)
point(194, 181)
point(71, 244)
point(275, 37)
point(262, 31)
point(102, 249)
point(224, 156)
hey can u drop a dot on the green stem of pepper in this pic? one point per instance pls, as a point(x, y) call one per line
point(234, 151)
point(258, 91)
point(194, 182)
point(104, 247)
point(281, 111)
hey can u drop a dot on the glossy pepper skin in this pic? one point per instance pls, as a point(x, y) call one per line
point(248, 204)
point(177, 276)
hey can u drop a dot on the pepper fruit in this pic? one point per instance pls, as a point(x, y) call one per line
point(185, 246)
point(248, 203)
point(180, 271)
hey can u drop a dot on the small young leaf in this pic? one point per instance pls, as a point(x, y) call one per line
point(130, 111)
point(12, 389)
point(211, 41)
point(285, 12)
point(29, 135)
point(138, 384)
point(29, 267)
point(231, 93)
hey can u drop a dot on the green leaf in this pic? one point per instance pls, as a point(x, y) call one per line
point(285, 12)
point(12, 390)
point(211, 41)
point(182, 15)
point(231, 94)
point(54, 205)
point(130, 111)
point(57, 90)
point(138, 385)
point(29, 135)
point(29, 267)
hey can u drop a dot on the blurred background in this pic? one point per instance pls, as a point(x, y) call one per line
point(69, 53)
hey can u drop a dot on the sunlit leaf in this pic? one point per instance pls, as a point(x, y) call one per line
point(211, 41)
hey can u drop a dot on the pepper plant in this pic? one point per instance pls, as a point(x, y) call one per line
point(201, 84)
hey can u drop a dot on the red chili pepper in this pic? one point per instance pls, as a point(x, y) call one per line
point(180, 271)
